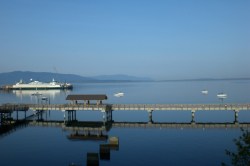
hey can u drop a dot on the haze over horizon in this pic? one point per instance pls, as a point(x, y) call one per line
point(160, 39)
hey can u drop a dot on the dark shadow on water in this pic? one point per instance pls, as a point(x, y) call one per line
point(241, 157)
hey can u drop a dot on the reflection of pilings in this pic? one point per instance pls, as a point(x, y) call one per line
point(97, 127)
point(88, 135)
point(179, 125)
point(92, 159)
point(104, 149)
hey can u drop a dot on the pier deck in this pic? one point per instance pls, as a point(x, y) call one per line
point(107, 109)
point(126, 107)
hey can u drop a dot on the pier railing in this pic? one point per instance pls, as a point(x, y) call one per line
point(128, 107)
point(186, 107)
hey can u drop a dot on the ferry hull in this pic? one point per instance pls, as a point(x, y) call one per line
point(36, 88)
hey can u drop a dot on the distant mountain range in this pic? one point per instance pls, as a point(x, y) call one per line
point(15, 76)
point(207, 79)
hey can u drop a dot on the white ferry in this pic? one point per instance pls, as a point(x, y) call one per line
point(35, 85)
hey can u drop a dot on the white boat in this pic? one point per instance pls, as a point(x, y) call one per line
point(35, 85)
point(205, 92)
point(119, 94)
point(222, 95)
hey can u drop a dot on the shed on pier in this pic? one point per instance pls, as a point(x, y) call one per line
point(87, 98)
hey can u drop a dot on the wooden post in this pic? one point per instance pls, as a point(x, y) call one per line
point(193, 120)
point(150, 116)
point(236, 114)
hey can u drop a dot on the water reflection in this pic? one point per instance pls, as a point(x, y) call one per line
point(31, 93)
point(33, 96)
point(98, 131)
point(242, 156)
point(151, 144)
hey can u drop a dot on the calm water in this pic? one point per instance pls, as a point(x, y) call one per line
point(34, 145)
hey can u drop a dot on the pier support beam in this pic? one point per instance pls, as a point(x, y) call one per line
point(150, 116)
point(17, 115)
point(64, 116)
point(107, 115)
point(39, 115)
point(236, 114)
point(193, 117)
point(104, 117)
point(71, 115)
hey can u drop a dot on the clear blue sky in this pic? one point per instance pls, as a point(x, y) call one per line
point(161, 39)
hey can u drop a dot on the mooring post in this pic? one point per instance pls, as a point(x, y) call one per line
point(193, 112)
point(236, 114)
point(150, 116)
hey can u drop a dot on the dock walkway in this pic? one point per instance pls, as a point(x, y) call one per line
point(125, 107)
point(107, 109)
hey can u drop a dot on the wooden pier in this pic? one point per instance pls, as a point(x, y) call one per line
point(126, 107)
point(107, 109)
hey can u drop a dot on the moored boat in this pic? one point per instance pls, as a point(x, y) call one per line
point(222, 95)
point(205, 92)
point(37, 85)
point(119, 94)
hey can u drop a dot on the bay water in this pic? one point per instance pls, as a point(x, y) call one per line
point(139, 146)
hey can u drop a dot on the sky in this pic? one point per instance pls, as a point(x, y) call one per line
point(160, 39)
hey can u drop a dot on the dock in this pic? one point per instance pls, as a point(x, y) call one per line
point(107, 109)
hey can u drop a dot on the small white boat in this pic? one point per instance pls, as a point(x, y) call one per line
point(119, 94)
point(205, 92)
point(222, 95)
